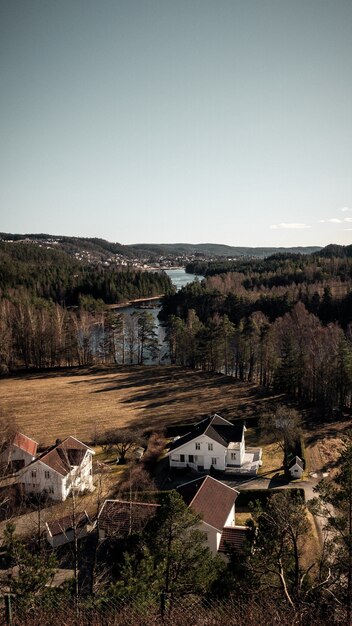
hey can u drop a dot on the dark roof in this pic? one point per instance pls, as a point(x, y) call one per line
point(121, 518)
point(215, 427)
point(25, 443)
point(65, 524)
point(296, 460)
point(210, 498)
point(64, 455)
point(233, 538)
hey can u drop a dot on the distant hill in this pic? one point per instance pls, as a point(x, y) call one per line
point(150, 251)
point(215, 249)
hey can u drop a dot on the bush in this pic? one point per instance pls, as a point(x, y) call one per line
point(251, 495)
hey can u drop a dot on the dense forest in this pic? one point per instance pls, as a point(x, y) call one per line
point(54, 275)
point(285, 322)
point(53, 310)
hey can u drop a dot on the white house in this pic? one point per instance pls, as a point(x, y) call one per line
point(62, 531)
point(296, 467)
point(65, 466)
point(214, 442)
point(20, 451)
point(211, 499)
point(215, 503)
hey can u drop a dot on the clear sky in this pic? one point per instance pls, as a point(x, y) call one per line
point(225, 121)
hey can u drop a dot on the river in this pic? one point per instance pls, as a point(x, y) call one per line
point(179, 279)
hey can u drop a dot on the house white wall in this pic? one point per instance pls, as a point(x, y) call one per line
point(39, 478)
point(213, 537)
point(14, 453)
point(235, 453)
point(230, 521)
point(201, 451)
point(296, 471)
point(66, 537)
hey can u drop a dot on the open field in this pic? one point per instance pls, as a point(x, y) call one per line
point(83, 401)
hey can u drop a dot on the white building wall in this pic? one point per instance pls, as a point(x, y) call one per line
point(230, 521)
point(207, 452)
point(213, 537)
point(13, 453)
point(39, 478)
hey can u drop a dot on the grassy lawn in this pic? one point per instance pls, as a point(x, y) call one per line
point(83, 401)
point(272, 460)
point(242, 517)
point(272, 455)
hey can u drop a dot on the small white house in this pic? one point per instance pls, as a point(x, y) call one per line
point(62, 531)
point(215, 503)
point(296, 467)
point(214, 442)
point(20, 451)
point(59, 470)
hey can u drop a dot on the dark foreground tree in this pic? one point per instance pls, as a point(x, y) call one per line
point(172, 560)
point(335, 505)
point(283, 425)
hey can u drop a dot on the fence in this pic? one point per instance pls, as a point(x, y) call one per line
point(171, 611)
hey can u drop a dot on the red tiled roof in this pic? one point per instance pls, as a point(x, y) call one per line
point(65, 524)
point(233, 538)
point(25, 443)
point(120, 517)
point(210, 498)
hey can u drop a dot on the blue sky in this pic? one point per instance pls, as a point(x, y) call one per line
point(224, 121)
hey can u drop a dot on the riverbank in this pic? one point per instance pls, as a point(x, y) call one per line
point(123, 305)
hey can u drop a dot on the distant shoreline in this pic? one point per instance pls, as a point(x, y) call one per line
point(123, 305)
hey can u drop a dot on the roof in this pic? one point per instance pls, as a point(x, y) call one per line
point(233, 538)
point(216, 428)
point(64, 455)
point(121, 517)
point(296, 460)
point(25, 443)
point(210, 498)
point(65, 524)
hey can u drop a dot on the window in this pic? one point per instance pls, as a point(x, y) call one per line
point(210, 446)
point(47, 474)
point(190, 458)
point(51, 490)
point(182, 458)
point(213, 460)
point(34, 473)
point(197, 446)
point(233, 456)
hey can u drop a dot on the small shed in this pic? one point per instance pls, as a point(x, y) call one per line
point(61, 531)
point(296, 467)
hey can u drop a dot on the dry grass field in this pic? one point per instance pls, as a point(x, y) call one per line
point(82, 401)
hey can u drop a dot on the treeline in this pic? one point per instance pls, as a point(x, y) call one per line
point(54, 275)
point(294, 337)
point(41, 334)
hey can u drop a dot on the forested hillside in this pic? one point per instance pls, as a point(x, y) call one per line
point(56, 276)
point(53, 308)
point(285, 321)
